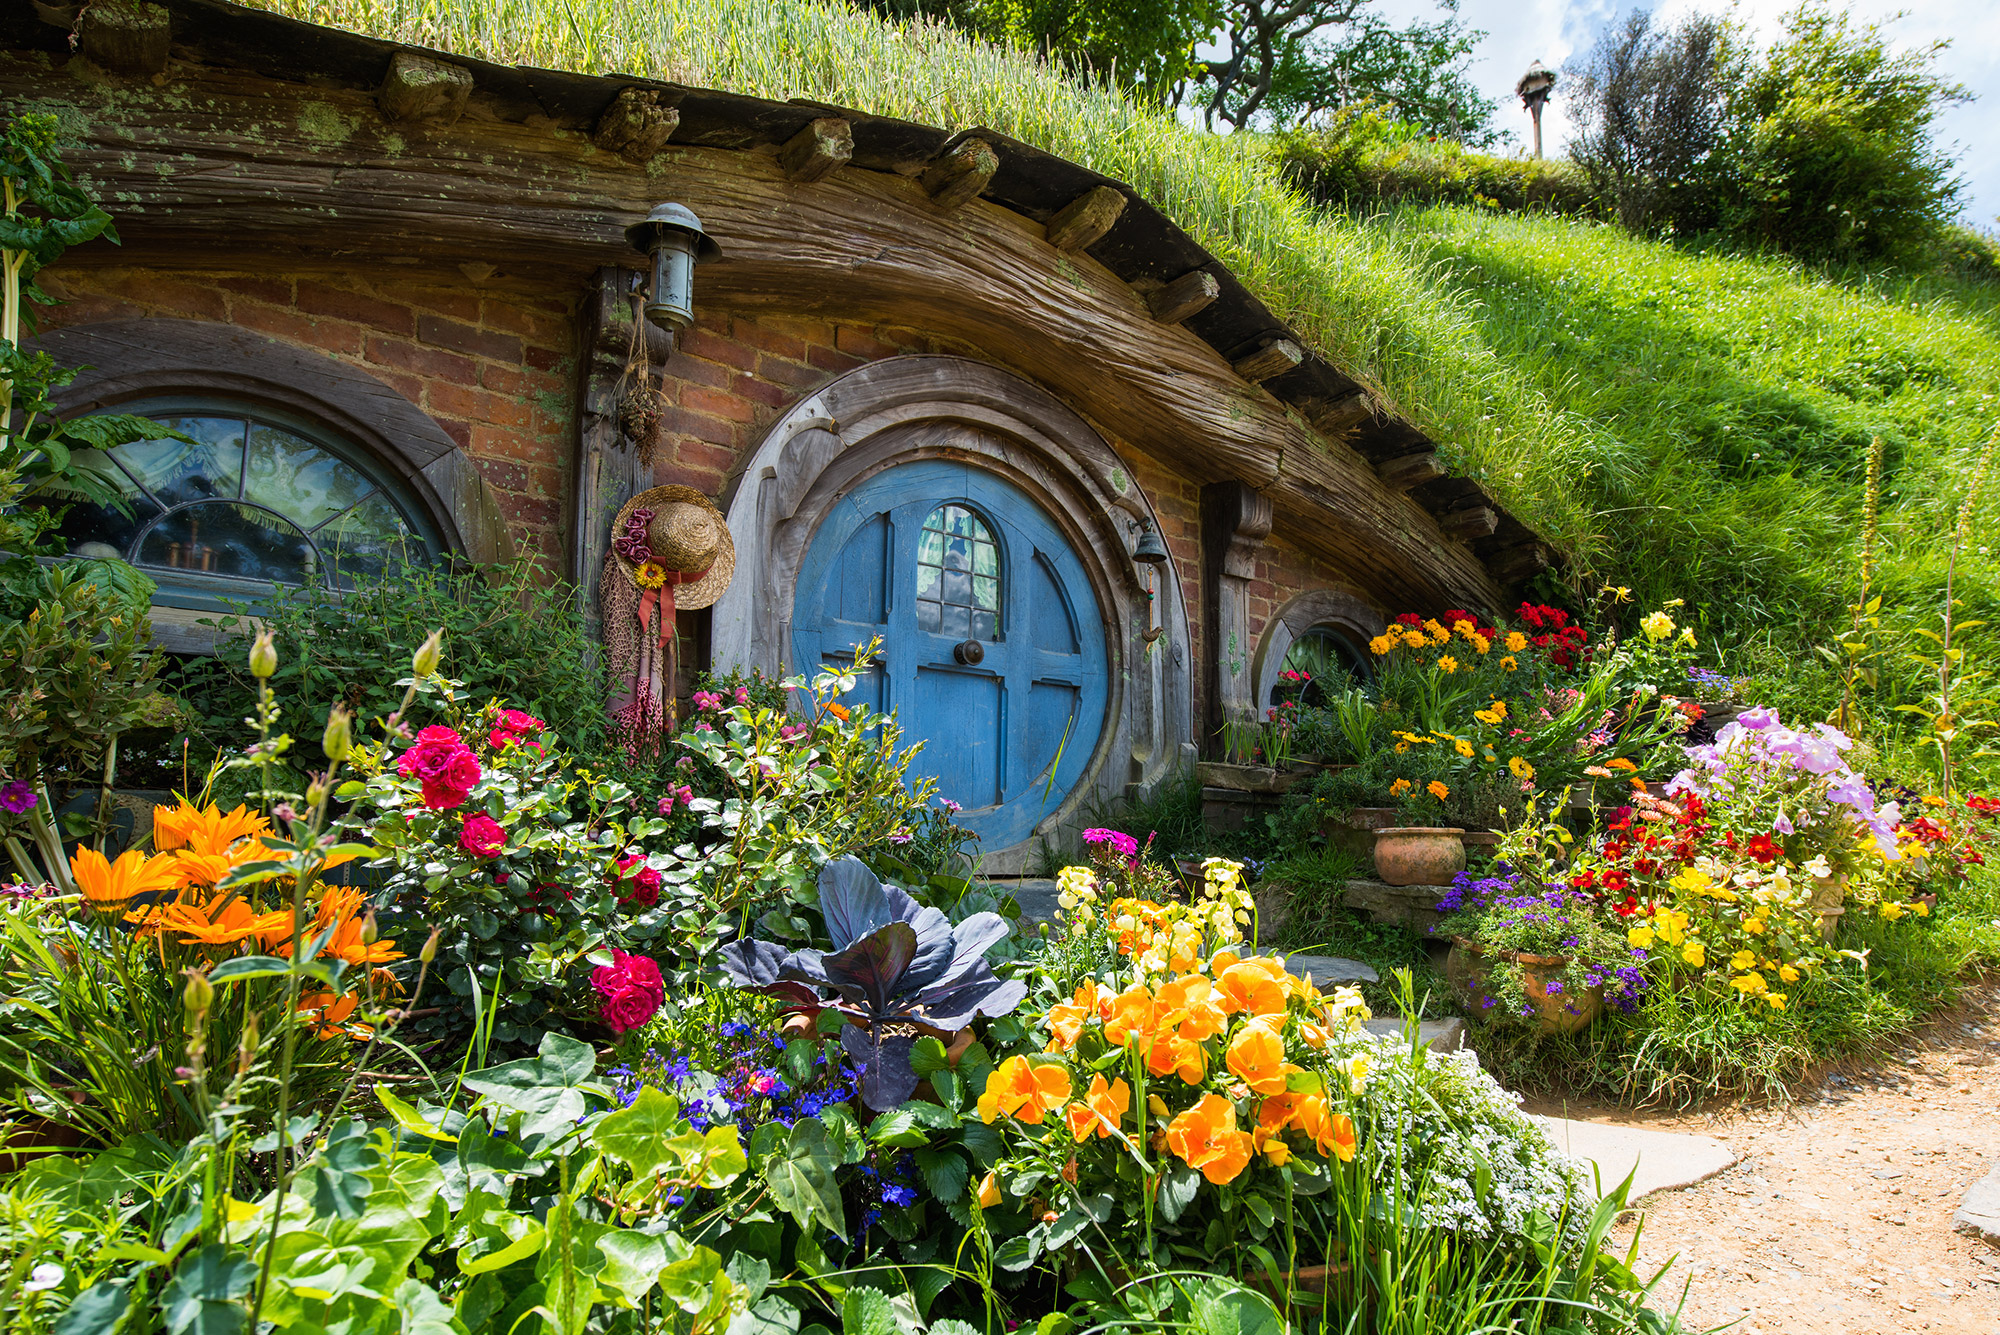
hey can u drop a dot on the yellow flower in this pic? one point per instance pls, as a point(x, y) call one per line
point(1400, 786)
point(1640, 937)
point(1482, 643)
point(1516, 641)
point(1921, 908)
point(1437, 632)
point(1743, 959)
point(1414, 639)
point(1448, 663)
point(1520, 768)
point(1775, 1000)
point(989, 1192)
point(1509, 663)
point(651, 575)
point(1620, 594)
point(1381, 644)
point(1465, 629)
point(1754, 925)
point(1694, 954)
point(1930, 800)
point(1892, 911)
point(1749, 984)
point(1463, 747)
point(1437, 789)
point(1787, 973)
point(1687, 638)
point(1657, 625)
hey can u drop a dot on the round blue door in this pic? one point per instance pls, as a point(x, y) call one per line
point(993, 650)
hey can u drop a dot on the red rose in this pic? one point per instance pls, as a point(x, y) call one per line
point(439, 735)
point(632, 990)
point(513, 720)
point(482, 837)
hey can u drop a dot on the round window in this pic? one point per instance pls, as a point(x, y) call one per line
point(1321, 660)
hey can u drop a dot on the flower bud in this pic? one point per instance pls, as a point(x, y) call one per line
point(264, 655)
point(339, 739)
point(369, 931)
point(246, 1047)
point(430, 950)
point(315, 790)
point(197, 996)
point(425, 661)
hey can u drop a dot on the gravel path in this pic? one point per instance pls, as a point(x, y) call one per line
point(1838, 1219)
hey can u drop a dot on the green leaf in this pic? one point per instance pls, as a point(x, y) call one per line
point(867, 1312)
point(801, 1179)
point(927, 1056)
point(632, 1262)
point(695, 1280)
point(1178, 1186)
point(410, 1119)
point(770, 1316)
point(341, 1184)
point(637, 1136)
point(96, 1311)
point(202, 1297)
point(906, 1127)
point(423, 1312)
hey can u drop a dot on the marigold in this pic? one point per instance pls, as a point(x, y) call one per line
point(1448, 663)
point(1436, 787)
point(1509, 663)
point(1516, 642)
point(1205, 1137)
point(1414, 639)
point(1024, 1090)
point(1520, 768)
point(1400, 786)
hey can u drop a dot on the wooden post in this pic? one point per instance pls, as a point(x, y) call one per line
point(1187, 295)
point(1274, 358)
point(815, 151)
point(1084, 220)
point(420, 89)
point(1465, 525)
point(961, 173)
point(635, 126)
point(1235, 521)
point(125, 36)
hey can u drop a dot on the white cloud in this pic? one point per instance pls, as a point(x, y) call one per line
point(1521, 31)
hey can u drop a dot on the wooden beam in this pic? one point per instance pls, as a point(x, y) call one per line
point(1410, 470)
point(815, 151)
point(1274, 358)
point(1465, 525)
point(1084, 220)
point(1336, 418)
point(1185, 296)
point(125, 36)
point(635, 126)
point(1519, 563)
point(417, 88)
point(962, 174)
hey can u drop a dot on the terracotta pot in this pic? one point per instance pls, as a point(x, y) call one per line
point(1469, 965)
point(1481, 839)
point(1418, 854)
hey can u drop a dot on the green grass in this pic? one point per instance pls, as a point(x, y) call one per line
point(1686, 424)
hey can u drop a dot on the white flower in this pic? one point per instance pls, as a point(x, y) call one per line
point(43, 1277)
point(1818, 867)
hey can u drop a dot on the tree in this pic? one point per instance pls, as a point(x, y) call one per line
point(1829, 153)
point(1651, 108)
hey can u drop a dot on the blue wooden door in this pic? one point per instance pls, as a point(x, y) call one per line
point(993, 650)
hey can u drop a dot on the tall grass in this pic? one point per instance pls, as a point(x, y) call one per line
point(1687, 424)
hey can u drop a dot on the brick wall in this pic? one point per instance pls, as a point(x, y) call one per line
point(492, 367)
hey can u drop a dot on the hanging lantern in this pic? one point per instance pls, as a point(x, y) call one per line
point(672, 236)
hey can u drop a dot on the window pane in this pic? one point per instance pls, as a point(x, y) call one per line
point(225, 538)
point(930, 616)
point(367, 541)
point(957, 622)
point(986, 593)
point(178, 472)
point(955, 543)
point(986, 559)
point(90, 529)
point(298, 479)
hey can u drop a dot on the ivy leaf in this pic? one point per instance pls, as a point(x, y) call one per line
point(545, 1087)
point(637, 1135)
point(202, 1297)
point(632, 1262)
point(801, 1179)
point(409, 1118)
point(771, 1316)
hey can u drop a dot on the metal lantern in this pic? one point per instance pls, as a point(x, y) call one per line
point(672, 235)
point(1534, 89)
point(1150, 551)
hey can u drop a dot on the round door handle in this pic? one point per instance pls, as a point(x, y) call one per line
point(969, 652)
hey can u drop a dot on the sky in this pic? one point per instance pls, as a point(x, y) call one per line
point(1553, 31)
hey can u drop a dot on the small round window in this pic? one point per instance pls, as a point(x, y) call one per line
point(251, 498)
point(958, 576)
point(1321, 662)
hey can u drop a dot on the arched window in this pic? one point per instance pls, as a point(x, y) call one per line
point(958, 575)
point(254, 497)
point(1322, 658)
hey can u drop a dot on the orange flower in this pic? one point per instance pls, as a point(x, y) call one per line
point(1194, 999)
point(1251, 986)
point(838, 710)
point(1103, 1107)
point(1066, 1019)
point(1332, 1133)
point(204, 829)
point(340, 920)
point(111, 886)
point(1172, 1054)
point(1257, 1058)
point(223, 921)
point(1133, 1016)
point(329, 1015)
point(1271, 1144)
point(1205, 1137)
point(1024, 1090)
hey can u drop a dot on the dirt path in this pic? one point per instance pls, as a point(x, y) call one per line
point(1837, 1221)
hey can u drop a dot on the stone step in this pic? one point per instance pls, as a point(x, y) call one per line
point(1446, 1035)
point(1657, 1160)
point(1978, 1214)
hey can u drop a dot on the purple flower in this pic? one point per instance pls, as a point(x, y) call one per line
point(17, 797)
point(1554, 987)
point(900, 837)
point(1758, 718)
point(895, 1195)
point(949, 805)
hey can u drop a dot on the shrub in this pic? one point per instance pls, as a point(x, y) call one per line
point(1361, 158)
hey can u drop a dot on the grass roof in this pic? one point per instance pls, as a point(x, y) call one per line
point(1686, 424)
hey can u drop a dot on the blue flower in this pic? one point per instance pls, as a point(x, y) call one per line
point(895, 1195)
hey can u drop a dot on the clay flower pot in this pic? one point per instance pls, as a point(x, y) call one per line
point(1418, 854)
point(1469, 965)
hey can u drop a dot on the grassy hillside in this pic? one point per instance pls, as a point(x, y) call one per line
point(1689, 425)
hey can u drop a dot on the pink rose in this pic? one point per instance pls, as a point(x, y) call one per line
point(438, 735)
point(513, 720)
point(482, 837)
point(632, 990)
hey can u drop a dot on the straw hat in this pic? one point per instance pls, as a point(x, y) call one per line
point(687, 534)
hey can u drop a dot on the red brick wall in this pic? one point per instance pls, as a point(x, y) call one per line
point(1283, 573)
point(492, 367)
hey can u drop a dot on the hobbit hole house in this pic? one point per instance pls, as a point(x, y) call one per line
point(940, 385)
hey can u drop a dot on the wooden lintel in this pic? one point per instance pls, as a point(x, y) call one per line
point(418, 88)
point(125, 36)
point(1340, 416)
point(1185, 296)
point(1410, 470)
point(962, 174)
point(1274, 358)
point(1519, 563)
point(815, 151)
point(1465, 525)
point(1084, 220)
point(635, 126)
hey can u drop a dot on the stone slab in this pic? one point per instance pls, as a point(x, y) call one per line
point(1447, 1035)
point(1978, 1214)
point(1657, 1160)
point(1411, 906)
point(1329, 971)
point(1036, 895)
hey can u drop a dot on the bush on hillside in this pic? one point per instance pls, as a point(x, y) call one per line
point(1362, 157)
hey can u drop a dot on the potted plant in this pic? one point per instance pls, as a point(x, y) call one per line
point(1528, 952)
